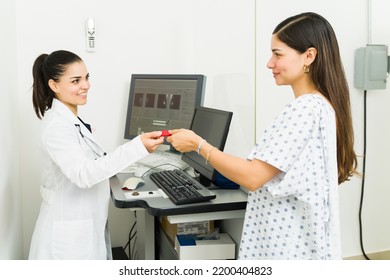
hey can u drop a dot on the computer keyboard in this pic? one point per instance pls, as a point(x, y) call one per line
point(163, 160)
point(181, 187)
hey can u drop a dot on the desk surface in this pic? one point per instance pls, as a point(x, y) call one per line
point(226, 200)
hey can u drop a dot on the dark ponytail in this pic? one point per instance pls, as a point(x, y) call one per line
point(45, 68)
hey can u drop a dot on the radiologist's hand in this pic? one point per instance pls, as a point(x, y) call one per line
point(152, 140)
point(184, 140)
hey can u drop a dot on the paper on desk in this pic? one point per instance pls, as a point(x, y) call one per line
point(163, 194)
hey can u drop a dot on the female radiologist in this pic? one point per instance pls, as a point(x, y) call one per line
point(72, 222)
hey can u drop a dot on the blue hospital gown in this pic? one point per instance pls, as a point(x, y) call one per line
point(295, 215)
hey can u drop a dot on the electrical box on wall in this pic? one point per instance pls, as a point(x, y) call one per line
point(371, 67)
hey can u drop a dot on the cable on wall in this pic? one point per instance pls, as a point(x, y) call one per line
point(363, 173)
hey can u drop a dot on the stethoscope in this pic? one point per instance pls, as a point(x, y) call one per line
point(88, 144)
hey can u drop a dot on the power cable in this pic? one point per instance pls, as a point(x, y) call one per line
point(131, 237)
point(363, 174)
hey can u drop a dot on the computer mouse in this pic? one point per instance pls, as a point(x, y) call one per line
point(133, 183)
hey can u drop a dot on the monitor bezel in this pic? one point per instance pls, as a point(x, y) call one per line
point(199, 94)
point(207, 173)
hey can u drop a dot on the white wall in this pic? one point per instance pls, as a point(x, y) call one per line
point(11, 245)
point(376, 209)
point(215, 38)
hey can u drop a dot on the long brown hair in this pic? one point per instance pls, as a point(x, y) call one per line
point(307, 30)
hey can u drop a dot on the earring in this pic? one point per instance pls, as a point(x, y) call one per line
point(306, 69)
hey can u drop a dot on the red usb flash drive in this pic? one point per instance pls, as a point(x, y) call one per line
point(165, 133)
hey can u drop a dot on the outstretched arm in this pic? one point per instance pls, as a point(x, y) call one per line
point(249, 174)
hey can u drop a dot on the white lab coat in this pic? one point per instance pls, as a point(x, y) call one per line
point(72, 222)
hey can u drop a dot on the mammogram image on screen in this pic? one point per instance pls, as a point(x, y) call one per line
point(149, 102)
point(161, 104)
point(158, 102)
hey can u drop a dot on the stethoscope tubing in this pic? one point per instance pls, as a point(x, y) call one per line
point(88, 144)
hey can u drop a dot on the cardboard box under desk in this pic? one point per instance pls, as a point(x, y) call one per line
point(219, 249)
point(171, 230)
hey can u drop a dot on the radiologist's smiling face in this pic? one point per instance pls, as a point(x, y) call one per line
point(72, 87)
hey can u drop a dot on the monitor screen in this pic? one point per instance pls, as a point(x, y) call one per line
point(213, 126)
point(162, 101)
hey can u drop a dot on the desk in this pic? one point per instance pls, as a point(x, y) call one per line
point(229, 204)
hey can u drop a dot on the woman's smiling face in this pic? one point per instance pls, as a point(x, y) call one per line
point(73, 86)
point(286, 63)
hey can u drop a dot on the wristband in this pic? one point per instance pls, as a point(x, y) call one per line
point(200, 145)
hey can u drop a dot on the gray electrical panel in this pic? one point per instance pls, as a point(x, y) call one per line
point(371, 67)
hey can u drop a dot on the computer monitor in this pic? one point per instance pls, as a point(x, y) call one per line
point(213, 126)
point(162, 101)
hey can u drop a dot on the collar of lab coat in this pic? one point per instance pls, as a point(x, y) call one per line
point(64, 111)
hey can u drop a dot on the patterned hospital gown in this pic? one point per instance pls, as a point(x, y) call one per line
point(296, 215)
